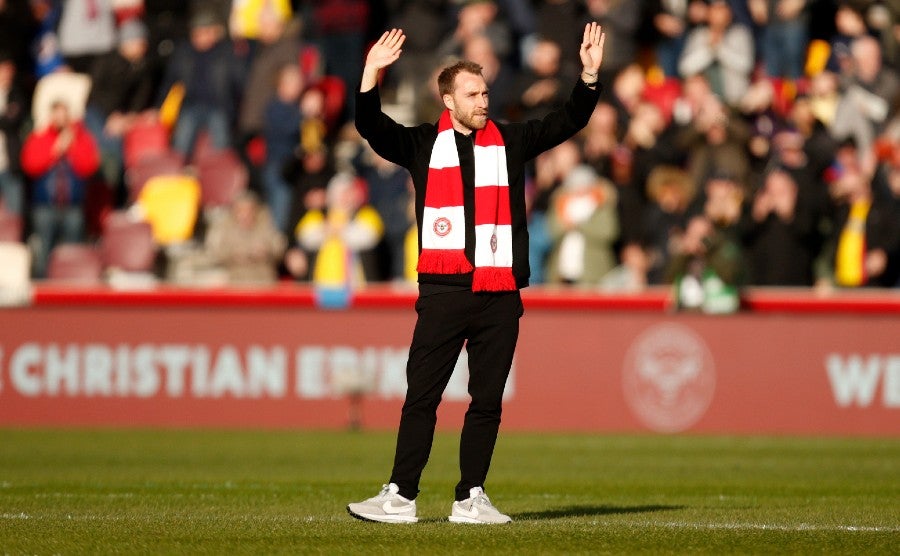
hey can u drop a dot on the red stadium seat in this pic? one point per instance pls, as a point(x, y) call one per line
point(161, 164)
point(127, 245)
point(203, 148)
point(10, 226)
point(144, 139)
point(335, 91)
point(75, 263)
point(222, 177)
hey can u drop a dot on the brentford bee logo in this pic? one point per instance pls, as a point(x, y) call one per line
point(669, 377)
point(442, 226)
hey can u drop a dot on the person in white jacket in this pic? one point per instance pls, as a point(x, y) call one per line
point(722, 51)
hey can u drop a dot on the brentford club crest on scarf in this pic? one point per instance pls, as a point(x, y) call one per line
point(444, 234)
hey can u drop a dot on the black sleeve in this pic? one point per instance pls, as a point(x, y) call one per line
point(388, 138)
point(559, 125)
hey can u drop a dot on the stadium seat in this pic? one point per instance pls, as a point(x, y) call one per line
point(145, 139)
point(203, 147)
point(222, 177)
point(160, 164)
point(127, 244)
point(15, 270)
point(76, 263)
point(170, 204)
point(10, 226)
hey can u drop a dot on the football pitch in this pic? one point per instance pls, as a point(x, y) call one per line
point(284, 492)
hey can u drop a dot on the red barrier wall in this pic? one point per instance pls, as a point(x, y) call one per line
point(790, 363)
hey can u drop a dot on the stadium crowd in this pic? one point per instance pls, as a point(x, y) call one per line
point(738, 142)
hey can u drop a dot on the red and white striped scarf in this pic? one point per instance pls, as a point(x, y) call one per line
point(444, 222)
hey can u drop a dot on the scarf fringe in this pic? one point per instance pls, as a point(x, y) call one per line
point(443, 261)
point(493, 279)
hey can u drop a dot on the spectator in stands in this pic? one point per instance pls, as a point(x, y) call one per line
point(389, 194)
point(641, 149)
point(342, 237)
point(849, 25)
point(866, 230)
point(279, 44)
point(308, 171)
point(694, 95)
point(886, 190)
point(631, 274)
point(722, 202)
point(627, 92)
point(818, 144)
point(715, 141)
point(554, 19)
point(478, 17)
point(670, 191)
point(621, 21)
point(707, 262)
point(498, 74)
point(13, 111)
point(59, 158)
point(722, 51)
point(706, 268)
point(781, 237)
point(672, 19)
point(123, 86)
point(541, 88)
point(791, 154)
point(599, 138)
point(281, 130)
point(424, 21)
point(213, 80)
point(551, 168)
point(340, 28)
point(246, 242)
point(584, 227)
point(784, 28)
point(758, 110)
point(867, 91)
point(87, 29)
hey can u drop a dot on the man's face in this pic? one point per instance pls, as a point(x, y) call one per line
point(204, 37)
point(468, 103)
point(59, 115)
point(7, 73)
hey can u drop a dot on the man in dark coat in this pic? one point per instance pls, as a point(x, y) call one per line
point(469, 177)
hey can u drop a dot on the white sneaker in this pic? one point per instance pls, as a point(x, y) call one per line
point(387, 507)
point(477, 508)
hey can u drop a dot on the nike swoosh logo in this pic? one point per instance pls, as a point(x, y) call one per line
point(473, 513)
point(391, 509)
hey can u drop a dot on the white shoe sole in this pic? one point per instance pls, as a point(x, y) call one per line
point(381, 518)
point(461, 519)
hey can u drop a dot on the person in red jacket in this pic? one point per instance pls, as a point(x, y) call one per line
point(58, 158)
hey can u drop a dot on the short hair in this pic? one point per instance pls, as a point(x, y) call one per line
point(449, 73)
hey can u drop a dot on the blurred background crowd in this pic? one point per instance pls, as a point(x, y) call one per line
point(737, 142)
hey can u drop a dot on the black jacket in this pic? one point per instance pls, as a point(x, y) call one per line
point(411, 148)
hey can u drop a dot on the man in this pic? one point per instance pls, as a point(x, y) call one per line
point(59, 158)
point(123, 85)
point(213, 79)
point(468, 173)
point(722, 51)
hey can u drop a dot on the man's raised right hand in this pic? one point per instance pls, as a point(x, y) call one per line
point(383, 53)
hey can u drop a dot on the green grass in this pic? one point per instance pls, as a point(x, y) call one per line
point(249, 492)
